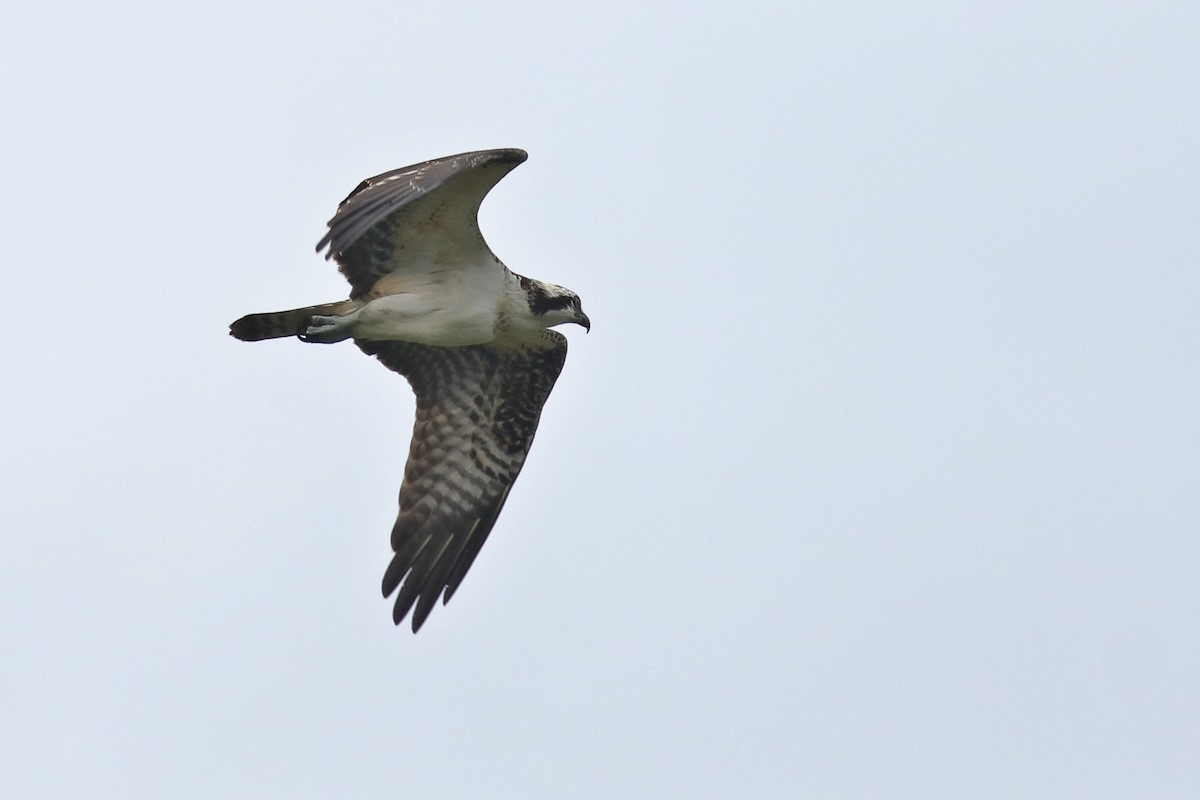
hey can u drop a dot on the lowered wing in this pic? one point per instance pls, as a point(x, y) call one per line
point(477, 411)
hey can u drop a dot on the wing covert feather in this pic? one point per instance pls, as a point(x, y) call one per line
point(415, 216)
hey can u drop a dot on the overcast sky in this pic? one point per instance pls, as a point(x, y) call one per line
point(878, 475)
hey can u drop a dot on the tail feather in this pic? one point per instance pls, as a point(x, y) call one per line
point(275, 324)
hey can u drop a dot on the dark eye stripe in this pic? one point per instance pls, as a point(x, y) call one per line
point(540, 303)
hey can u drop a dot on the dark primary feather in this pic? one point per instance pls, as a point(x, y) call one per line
point(477, 412)
point(414, 216)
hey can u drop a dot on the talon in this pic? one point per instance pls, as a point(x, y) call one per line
point(325, 330)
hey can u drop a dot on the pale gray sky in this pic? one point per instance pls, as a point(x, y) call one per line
point(878, 475)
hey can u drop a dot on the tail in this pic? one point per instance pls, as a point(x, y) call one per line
point(256, 327)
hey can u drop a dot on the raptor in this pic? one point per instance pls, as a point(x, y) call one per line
point(430, 300)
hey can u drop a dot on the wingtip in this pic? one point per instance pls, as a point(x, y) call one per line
point(326, 241)
point(419, 610)
point(502, 155)
point(415, 621)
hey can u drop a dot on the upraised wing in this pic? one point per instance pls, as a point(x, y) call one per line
point(477, 411)
point(415, 217)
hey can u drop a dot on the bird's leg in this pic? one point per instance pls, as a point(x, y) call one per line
point(326, 330)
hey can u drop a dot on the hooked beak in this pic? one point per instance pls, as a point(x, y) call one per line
point(582, 319)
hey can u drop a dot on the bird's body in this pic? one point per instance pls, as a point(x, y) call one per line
point(444, 308)
point(430, 301)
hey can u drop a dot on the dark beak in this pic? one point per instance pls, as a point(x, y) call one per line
point(582, 319)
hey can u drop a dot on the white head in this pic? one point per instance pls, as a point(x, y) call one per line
point(553, 305)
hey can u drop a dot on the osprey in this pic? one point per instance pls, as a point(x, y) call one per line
point(430, 300)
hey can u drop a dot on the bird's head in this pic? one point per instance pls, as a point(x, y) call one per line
point(554, 305)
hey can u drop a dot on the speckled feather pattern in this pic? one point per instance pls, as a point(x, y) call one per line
point(477, 411)
point(432, 302)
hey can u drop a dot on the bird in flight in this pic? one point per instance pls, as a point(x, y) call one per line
point(430, 300)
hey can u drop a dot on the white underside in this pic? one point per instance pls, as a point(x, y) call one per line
point(434, 320)
point(447, 307)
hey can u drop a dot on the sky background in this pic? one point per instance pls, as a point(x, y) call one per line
point(878, 475)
